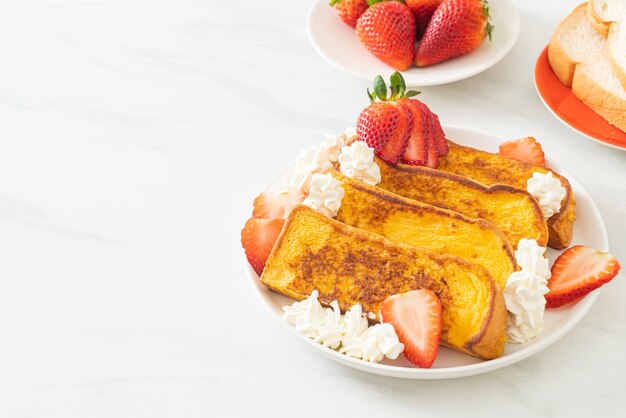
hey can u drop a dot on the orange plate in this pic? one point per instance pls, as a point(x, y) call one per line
point(560, 99)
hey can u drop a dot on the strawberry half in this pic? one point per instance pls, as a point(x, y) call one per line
point(350, 10)
point(394, 150)
point(257, 238)
point(525, 149)
point(455, 28)
point(578, 271)
point(415, 153)
point(387, 30)
point(278, 205)
point(416, 316)
point(376, 124)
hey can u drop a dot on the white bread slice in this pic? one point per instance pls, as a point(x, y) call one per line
point(608, 17)
point(579, 57)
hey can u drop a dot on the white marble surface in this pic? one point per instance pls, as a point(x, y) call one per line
point(134, 135)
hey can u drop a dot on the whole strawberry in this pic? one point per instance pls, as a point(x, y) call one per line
point(388, 31)
point(350, 10)
point(456, 28)
point(423, 11)
point(387, 125)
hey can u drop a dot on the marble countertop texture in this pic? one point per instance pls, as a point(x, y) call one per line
point(134, 135)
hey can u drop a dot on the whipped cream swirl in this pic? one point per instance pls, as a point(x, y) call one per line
point(548, 191)
point(349, 334)
point(525, 301)
point(525, 290)
point(310, 161)
point(531, 257)
point(325, 194)
point(334, 143)
point(357, 161)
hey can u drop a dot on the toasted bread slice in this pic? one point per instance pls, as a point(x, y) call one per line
point(580, 58)
point(411, 222)
point(352, 265)
point(490, 169)
point(513, 211)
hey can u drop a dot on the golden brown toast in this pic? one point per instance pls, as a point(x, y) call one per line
point(513, 211)
point(352, 265)
point(415, 223)
point(491, 169)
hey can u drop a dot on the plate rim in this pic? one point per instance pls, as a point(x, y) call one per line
point(454, 371)
point(513, 23)
point(558, 117)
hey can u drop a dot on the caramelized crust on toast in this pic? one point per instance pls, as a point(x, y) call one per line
point(415, 223)
point(513, 211)
point(491, 169)
point(352, 265)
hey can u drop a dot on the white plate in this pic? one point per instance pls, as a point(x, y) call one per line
point(338, 44)
point(589, 230)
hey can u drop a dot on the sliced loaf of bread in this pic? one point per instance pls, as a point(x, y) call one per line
point(608, 17)
point(579, 56)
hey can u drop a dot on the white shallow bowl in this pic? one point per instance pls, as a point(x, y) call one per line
point(338, 44)
point(589, 230)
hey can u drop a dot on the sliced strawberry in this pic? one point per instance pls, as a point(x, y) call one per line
point(277, 205)
point(432, 154)
point(440, 137)
point(416, 316)
point(377, 123)
point(415, 153)
point(578, 271)
point(394, 150)
point(257, 238)
point(525, 149)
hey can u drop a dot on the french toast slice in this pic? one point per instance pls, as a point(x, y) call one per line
point(513, 211)
point(491, 169)
point(353, 265)
point(415, 223)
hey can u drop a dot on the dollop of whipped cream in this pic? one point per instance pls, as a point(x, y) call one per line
point(525, 290)
point(350, 333)
point(310, 161)
point(325, 194)
point(357, 161)
point(531, 257)
point(334, 143)
point(548, 191)
point(525, 301)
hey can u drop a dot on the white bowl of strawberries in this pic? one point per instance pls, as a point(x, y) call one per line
point(430, 41)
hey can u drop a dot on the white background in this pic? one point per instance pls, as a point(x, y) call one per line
point(134, 136)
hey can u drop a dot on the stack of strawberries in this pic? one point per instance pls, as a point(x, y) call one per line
point(420, 32)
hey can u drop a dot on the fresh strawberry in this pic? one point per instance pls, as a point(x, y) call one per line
point(440, 137)
point(432, 154)
point(376, 124)
point(415, 153)
point(416, 316)
point(277, 205)
point(578, 271)
point(386, 125)
point(257, 238)
point(394, 150)
point(387, 30)
point(525, 149)
point(350, 10)
point(423, 11)
point(456, 28)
